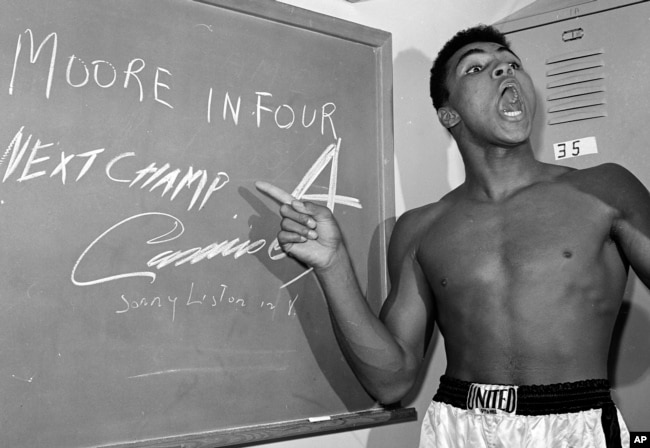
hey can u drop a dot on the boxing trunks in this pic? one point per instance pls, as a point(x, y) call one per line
point(567, 415)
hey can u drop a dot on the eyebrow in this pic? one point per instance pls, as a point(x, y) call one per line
point(471, 51)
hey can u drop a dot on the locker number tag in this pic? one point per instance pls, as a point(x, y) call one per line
point(575, 148)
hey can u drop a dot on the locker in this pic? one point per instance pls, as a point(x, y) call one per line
point(590, 64)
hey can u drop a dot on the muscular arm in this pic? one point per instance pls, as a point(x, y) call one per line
point(630, 200)
point(631, 229)
point(384, 352)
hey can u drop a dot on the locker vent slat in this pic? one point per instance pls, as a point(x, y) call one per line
point(576, 86)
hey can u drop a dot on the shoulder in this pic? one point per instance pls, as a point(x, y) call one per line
point(608, 171)
point(610, 182)
point(408, 226)
point(413, 224)
point(419, 219)
point(613, 185)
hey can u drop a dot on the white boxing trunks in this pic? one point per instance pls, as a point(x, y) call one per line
point(567, 415)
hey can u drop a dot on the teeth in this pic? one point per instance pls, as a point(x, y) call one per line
point(512, 114)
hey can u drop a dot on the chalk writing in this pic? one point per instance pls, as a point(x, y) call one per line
point(106, 75)
point(29, 157)
point(284, 115)
point(152, 176)
point(26, 380)
point(222, 299)
point(194, 255)
point(16, 153)
point(234, 248)
point(33, 56)
point(100, 68)
point(157, 177)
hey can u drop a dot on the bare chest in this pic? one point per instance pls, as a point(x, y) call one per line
point(533, 235)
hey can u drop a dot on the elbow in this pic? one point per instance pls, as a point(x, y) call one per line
point(392, 392)
point(389, 400)
point(390, 382)
point(391, 397)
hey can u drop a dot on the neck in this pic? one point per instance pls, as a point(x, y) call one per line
point(495, 173)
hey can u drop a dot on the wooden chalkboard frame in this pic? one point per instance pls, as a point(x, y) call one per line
point(276, 432)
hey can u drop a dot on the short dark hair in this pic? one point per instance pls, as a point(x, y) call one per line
point(437, 82)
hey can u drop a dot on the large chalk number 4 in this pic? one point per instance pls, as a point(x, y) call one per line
point(329, 157)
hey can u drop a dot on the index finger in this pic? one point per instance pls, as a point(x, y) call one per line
point(274, 192)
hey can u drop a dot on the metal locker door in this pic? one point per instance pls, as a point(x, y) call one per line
point(592, 75)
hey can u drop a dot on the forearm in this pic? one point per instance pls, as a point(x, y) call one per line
point(384, 366)
point(309, 232)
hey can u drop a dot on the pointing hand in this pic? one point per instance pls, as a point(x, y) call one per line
point(308, 232)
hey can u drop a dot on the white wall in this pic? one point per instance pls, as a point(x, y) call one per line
point(426, 160)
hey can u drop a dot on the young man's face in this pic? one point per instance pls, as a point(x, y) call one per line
point(490, 95)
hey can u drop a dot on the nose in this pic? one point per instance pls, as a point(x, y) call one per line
point(503, 69)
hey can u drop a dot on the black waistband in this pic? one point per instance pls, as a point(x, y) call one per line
point(558, 398)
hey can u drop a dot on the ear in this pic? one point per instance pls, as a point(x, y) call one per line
point(448, 117)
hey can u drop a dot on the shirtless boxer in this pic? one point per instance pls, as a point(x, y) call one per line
point(522, 267)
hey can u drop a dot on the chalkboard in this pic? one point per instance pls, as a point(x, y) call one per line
point(143, 297)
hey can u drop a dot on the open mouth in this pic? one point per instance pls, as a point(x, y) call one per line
point(510, 102)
